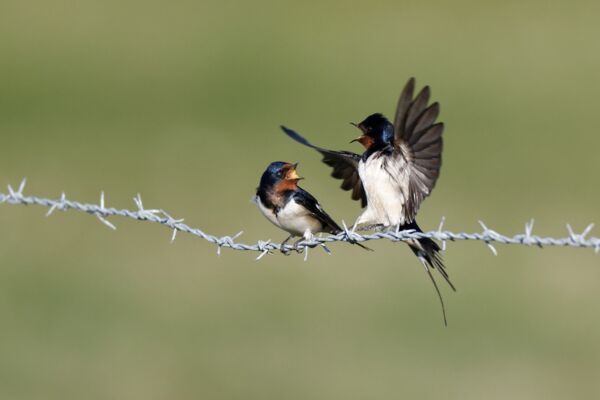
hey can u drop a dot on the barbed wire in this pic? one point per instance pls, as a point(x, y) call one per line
point(159, 216)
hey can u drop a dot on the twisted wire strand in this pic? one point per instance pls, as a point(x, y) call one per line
point(488, 236)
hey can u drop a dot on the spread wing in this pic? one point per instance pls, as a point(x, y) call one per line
point(344, 164)
point(306, 200)
point(418, 138)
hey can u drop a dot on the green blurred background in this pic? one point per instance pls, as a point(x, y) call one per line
point(181, 101)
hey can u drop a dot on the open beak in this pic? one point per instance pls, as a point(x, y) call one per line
point(292, 174)
point(365, 140)
point(358, 139)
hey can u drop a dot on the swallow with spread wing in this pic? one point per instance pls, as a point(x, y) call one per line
point(289, 207)
point(397, 170)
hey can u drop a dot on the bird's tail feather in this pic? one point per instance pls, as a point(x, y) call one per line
point(428, 252)
point(362, 246)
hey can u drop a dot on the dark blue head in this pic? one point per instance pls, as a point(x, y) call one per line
point(279, 175)
point(377, 132)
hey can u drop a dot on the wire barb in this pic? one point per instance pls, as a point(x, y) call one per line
point(262, 247)
point(102, 211)
point(58, 205)
point(488, 235)
point(159, 216)
point(440, 232)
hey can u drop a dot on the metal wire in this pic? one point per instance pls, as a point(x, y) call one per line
point(488, 236)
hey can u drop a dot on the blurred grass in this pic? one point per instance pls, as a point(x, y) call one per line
point(181, 101)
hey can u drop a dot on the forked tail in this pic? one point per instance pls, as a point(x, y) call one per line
point(428, 252)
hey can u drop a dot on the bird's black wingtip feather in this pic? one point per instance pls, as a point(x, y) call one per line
point(296, 136)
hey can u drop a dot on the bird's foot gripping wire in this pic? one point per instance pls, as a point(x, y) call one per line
point(286, 249)
point(282, 248)
point(370, 227)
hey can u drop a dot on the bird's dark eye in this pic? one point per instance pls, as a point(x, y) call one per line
point(280, 174)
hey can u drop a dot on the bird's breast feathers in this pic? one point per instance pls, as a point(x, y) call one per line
point(266, 211)
point(293, 218)
point(385, 181)
point(297, 220)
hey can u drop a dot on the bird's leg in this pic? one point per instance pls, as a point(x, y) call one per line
point(364, 223)
point(307, 236)
point(367, 227)
point(282, 248)
point(296, 243)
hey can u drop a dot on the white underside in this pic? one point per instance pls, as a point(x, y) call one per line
point(292, 218)
point(382, 183)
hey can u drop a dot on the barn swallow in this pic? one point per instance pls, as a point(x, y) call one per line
point(397, 170)
point(289, 207)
